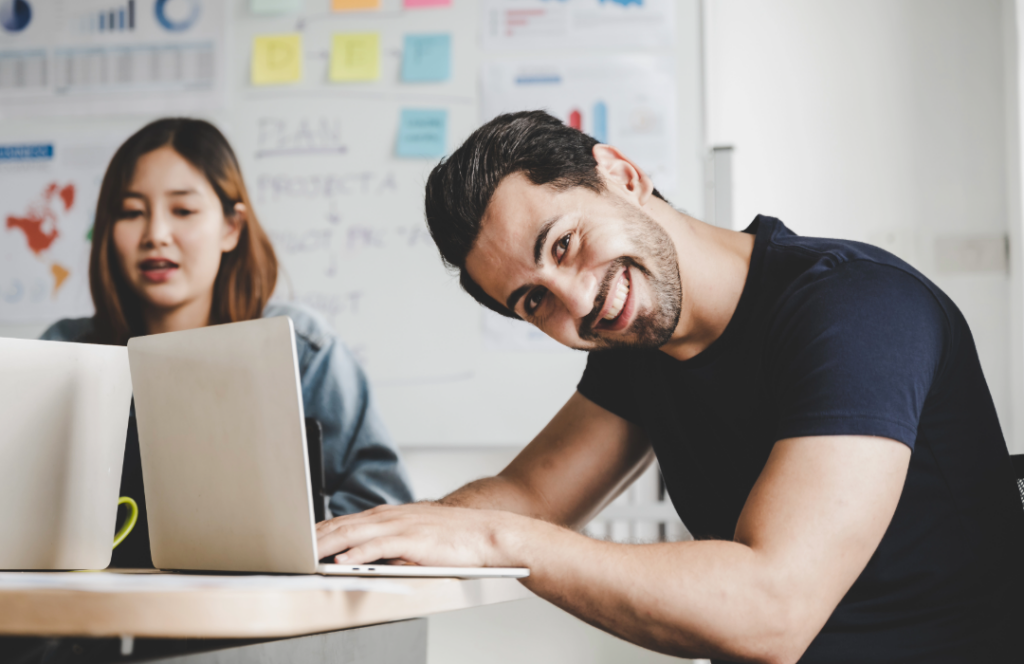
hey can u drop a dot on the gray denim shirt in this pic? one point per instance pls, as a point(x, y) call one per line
point(362, 468)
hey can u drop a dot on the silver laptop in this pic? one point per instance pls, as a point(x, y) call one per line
point(224, 458)
point(63, 419)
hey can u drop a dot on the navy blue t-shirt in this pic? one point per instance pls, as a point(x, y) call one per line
point(840, 338)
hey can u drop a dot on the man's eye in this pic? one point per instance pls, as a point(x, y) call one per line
point(534, 300)
point(562, 245)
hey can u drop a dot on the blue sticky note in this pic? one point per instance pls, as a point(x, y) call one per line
point(422, 132)
point(427, 58)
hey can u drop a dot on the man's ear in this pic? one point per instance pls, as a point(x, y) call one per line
point(620, 172)
point(233, 224)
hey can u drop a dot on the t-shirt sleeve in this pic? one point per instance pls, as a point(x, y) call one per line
point(855, 353)
point(606, 381)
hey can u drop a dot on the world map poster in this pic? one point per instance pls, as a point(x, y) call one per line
point(48, 196)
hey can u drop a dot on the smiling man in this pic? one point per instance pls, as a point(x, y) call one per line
point(817, 408)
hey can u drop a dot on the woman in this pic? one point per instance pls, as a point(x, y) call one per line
point(176, 245)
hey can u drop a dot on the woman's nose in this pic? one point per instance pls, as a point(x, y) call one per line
point(158, 230)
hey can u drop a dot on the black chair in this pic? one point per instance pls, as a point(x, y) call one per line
point(1018, 470)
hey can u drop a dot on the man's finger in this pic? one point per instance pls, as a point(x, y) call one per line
point(381, 548)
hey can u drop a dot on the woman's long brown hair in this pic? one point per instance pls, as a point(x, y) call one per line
point(247, 274)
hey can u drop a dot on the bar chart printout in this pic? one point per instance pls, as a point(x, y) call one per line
point(104, 53)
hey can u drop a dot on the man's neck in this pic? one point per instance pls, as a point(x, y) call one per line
point(713, 267)
point(187, 316)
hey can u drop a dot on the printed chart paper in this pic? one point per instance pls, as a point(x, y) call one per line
point(48, 193)
point(72, 57)
point(627, 101)
point(528, 24)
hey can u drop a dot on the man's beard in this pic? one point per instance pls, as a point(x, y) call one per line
point(654, 256)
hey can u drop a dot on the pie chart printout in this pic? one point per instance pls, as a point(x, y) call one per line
point(15, 15)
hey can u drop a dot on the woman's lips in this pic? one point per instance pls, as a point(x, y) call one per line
point(157, 270)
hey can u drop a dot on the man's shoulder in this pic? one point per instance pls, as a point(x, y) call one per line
point(69, 329)
point(310, 327)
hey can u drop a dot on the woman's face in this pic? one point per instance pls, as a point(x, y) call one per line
point(172, 231)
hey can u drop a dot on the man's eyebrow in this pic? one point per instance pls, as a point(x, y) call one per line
point(513, 299)
point(538, 247)
point(542, 236)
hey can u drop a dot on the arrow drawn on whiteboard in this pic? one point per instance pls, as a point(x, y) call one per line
point(332, 213)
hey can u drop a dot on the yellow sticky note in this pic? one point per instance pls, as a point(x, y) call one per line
point(276, 59)
point(355, 56)
point(354, 5)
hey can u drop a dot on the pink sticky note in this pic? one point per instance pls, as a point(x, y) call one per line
point(420, 4)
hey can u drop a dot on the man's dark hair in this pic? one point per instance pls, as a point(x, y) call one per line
point(460, 188)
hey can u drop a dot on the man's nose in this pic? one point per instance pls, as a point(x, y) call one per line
point(576, 291)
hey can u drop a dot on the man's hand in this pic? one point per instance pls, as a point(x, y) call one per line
point(425, 534)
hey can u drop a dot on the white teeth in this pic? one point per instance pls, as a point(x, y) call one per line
point(620, 299)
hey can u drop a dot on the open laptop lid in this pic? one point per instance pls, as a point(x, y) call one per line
point(222, 441)
point(63, 416)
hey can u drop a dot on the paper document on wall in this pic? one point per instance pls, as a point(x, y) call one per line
point(48, 193)
point(112, 56)
point(529, 24)
point(628, 101)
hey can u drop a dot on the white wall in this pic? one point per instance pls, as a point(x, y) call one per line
point(884, 121)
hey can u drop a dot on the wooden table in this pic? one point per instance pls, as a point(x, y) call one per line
point(199, 607)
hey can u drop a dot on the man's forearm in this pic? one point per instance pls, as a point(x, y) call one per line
point(689, 599)
point(498, 493)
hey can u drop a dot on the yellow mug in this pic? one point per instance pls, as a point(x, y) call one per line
point(129, 523)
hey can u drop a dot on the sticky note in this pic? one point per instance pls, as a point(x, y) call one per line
point(422, 132)
point(355, 56)
point(427, 58)
point(354, 5)
point(275, 6)
point(419, 4)
point(276, 59)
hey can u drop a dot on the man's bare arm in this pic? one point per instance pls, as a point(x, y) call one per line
point(811, 523)
point(582, 460)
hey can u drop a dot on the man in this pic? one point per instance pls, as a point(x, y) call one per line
point(817, 408)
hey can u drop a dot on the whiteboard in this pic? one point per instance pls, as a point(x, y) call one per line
point(346, 218)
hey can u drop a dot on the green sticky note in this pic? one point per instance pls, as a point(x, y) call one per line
point(275, 7)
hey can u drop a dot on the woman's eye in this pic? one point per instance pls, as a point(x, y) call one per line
point(562, 245)
point(130, 214)
point(182, 212)
point(534, 300)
